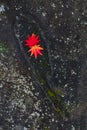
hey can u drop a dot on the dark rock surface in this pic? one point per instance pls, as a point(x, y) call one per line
point(26, 84)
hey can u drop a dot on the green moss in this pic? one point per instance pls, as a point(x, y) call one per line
point(60, 112)
point(58, 92)
point(3, 48)
point(42, 81)
point(43, 70)
point(50, 93)
point(46, 128)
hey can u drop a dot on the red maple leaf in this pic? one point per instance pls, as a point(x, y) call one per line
point(34, 48)
point(32, 40)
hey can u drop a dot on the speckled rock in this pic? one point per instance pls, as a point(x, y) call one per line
point(48, 93)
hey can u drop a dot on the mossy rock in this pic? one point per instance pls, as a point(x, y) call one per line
point(4, 48)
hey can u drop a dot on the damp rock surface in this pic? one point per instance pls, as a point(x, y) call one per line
point(49, 93)
point(22, 106)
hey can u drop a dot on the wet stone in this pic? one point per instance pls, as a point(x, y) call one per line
point(49, 93)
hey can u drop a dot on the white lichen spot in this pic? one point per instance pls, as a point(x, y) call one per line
point(2, 8)
point(25, 128)
point(37, 94)
point(53, 5)
point(73, 128)
point(56, 121)
point(34, 114)
point(66, 85)
point(85, 23)
point(72, 13)
point(68, 39)
point(56, 16)
point(44, 14)
point(78, 19)
point(51, 25)
point(62, 6)
point(73, 72)
point(36, 105)
point(61, 13)
point(68, 103)
point(1, 85)
point(52, 119)
point(59, 24)
point(17, 18)
point(67, 6)
point(83, 13)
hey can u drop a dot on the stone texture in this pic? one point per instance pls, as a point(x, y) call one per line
point(62, 68)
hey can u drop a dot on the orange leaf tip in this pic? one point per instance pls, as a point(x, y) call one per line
point(35, 50)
